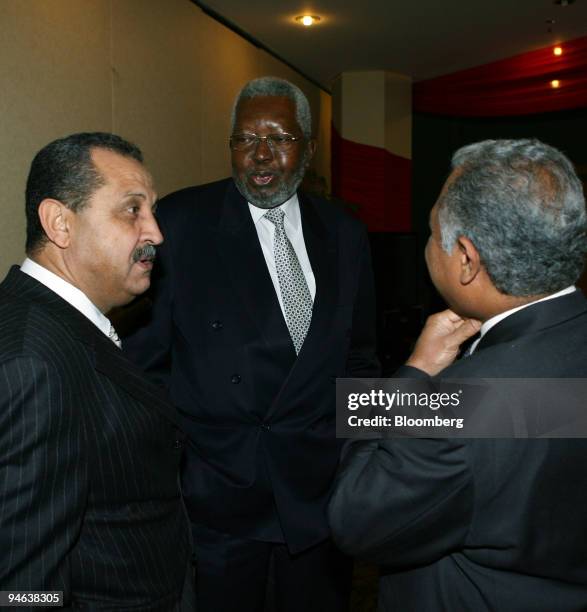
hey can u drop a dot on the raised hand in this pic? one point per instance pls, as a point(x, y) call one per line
point(440, 340)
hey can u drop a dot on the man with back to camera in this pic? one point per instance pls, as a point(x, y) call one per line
point(89, 502)
point(265, 297)
point(486, 524)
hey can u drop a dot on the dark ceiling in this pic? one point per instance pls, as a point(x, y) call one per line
point(422, 39)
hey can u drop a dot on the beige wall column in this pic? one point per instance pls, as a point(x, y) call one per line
point(372, 147)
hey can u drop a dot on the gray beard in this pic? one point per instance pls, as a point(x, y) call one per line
point(277, 198)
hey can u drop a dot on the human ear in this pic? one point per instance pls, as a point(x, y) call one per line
point(55, 219)
point(469, 259)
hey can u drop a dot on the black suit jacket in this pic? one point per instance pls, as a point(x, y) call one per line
point(479, 524)
point(261, 423)
point(89, 496)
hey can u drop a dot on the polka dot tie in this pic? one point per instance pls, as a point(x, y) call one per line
point(297, 301)
point(114, 336)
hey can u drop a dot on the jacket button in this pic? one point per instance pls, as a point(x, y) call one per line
point(266, 427)
point(177, 444)
point(235, 379)
point(217, 325)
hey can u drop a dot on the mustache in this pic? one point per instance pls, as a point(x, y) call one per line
point(146, 252)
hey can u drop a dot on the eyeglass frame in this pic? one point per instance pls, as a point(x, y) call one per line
point(267, 139)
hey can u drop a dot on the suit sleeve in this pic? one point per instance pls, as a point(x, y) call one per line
point(402, 502)
point(150, 345)
point(42, 476)
point(362, 360)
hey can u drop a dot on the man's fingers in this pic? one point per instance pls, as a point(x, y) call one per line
point(445, 316)
point(468, 328)
point(452, 316)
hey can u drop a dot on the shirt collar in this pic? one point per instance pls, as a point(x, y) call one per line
point(68, 292)
point(291, 208)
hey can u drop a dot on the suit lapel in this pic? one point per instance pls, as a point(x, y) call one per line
point(240, 252)
point(107, 358)
point(111, 362)
point(321, 246)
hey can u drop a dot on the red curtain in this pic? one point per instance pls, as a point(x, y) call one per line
point(520, 85)
point(375, 180)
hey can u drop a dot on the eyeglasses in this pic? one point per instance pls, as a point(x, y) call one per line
point(276, 142)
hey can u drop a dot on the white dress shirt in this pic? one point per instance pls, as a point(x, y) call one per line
point(502, 315)
point(292, 223)
point(70, 294)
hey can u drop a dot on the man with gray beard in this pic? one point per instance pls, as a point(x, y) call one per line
point(264, 295)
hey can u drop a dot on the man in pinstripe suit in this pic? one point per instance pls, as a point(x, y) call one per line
point(89, 449)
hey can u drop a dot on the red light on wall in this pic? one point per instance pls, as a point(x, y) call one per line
point(555, 84)
point(558, 50)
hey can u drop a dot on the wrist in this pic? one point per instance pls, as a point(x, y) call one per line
point(422, 364)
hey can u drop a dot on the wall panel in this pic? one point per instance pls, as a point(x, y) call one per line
point(55, 79)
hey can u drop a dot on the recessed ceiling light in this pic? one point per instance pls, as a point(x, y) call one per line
point(308, 20)
point(564, 2)
point(555, 84)
point(558, 50)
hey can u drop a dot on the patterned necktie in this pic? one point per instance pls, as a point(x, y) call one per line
point(114, 336)
point(297, 301)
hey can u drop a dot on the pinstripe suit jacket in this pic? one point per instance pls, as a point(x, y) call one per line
point(89, 500)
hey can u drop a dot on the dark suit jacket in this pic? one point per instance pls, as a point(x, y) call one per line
point(479, 524)
point(89, 496)
point(261, 423)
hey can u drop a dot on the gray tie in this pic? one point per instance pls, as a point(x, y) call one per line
point(297, 301)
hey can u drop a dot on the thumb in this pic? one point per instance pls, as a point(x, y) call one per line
point(468, 328)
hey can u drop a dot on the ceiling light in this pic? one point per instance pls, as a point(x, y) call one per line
point(558, 50)
point(308, 20)
point(555, 84)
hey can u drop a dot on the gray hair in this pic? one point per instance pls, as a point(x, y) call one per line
point(522, 205)
point(273, 86)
